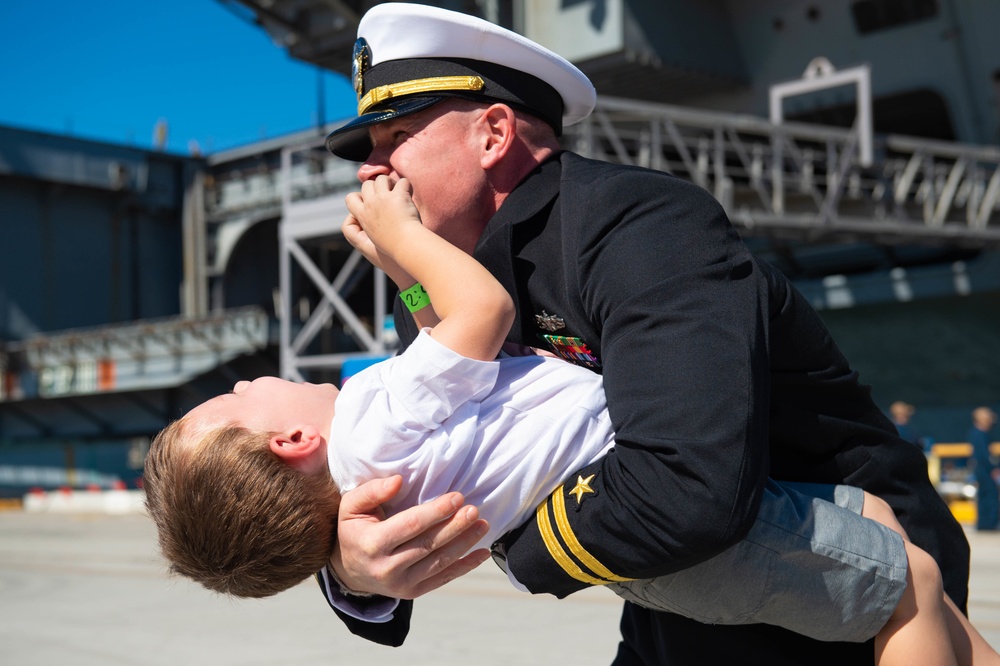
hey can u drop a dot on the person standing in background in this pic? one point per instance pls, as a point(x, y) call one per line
point(985, 469)
point(901, 413)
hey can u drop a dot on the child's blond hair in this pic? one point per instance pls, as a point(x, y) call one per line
point(233, 516)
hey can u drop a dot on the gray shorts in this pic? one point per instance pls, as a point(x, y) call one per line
point(810, 564)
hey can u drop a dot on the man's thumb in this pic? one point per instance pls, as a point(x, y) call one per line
point(370, 495)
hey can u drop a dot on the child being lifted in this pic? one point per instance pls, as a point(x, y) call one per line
point(245, 488)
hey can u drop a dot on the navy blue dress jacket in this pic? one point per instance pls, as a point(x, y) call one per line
point(717, 373)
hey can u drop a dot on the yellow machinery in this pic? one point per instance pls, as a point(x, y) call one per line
point(947, 467)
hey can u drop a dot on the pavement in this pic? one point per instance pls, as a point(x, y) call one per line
point(91, 590)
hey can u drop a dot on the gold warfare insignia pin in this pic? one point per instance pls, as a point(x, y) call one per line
point(360, 63)
point(550, 323)
point(582, 488)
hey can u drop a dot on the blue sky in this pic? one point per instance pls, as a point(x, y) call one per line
point(111, 69)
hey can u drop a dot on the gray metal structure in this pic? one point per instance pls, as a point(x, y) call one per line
point(810, 181)
point(134, 366)
point(103, 292)
point(791, 181)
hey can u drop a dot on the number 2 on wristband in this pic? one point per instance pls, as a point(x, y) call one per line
point(415, 298)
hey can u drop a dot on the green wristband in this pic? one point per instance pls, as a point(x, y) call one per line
point(415, 298)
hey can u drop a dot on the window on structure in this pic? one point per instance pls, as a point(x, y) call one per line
point(875, 15)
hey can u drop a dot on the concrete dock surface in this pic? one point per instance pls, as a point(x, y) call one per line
point(91, 590)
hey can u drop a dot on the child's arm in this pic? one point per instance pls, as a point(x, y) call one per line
point(357, 237)
point(475, 311)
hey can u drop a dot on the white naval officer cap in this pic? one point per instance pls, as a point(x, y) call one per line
point(410, 56)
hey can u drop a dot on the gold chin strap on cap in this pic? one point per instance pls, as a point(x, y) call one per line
point(382, 93)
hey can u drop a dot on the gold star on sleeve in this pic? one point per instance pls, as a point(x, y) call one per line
point(582, 487)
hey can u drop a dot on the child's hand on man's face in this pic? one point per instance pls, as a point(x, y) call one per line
point(383, 208)
point(377, 214)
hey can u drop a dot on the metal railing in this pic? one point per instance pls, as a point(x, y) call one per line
point(134, 356)
point(800, 179)
point(807, 179)
point(803, 180)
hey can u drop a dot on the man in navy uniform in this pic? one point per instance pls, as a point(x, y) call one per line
point(717, 372)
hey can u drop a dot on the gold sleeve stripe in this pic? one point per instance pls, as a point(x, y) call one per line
point(555, 548)
point(575, 547)
point(433, 84)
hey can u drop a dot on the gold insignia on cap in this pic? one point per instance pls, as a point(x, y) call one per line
point(582, 487)
point(433, 84)
point(551, 323)
point(361, 60)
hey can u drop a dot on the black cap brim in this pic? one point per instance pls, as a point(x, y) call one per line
point(351, 141)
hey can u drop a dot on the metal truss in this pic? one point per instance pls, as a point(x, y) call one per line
point(312, 209)
point(129, 357)
point(799, 181)
point(808, 181)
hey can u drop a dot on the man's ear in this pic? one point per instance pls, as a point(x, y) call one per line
point(500, 125)
point(295, 444)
